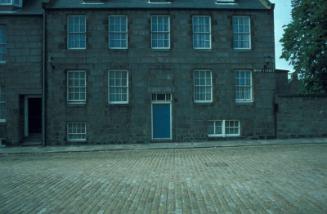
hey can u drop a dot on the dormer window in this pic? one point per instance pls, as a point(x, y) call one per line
point(16, 3)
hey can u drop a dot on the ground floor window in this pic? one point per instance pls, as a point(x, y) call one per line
point(202, 86)
point(224, 128)
point(243, 86)
point(76, 131)
point(2, 105)
point(76, 87)
point(118, 87)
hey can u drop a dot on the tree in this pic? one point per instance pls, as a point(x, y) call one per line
point(305, 43)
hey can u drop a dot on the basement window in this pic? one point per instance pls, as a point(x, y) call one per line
point(76, 132)
point(224, 128)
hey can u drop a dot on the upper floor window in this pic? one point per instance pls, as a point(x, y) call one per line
point(76, 87)
point(118, 32)
point(160, 32)
point(243, 86)
point(3, 44)
point(202, 86)
point(201, 32)
point(118, 87)
point(241, 32)
point(2, 105)
point(76, 38)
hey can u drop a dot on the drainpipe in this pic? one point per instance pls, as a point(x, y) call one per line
point(44, 67)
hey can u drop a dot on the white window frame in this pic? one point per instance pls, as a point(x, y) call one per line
point(237, 33)
point(73, 101)
point(76, 131)
point(223, 128)
point(195, 33)
point(69, 34)
point(238, 86)
point(126, 86)
point(118, 32)
point(198, 86)
point(2, 103)
point(3, 44)
point(160, 32)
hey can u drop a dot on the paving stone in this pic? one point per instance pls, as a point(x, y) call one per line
point(257, 179)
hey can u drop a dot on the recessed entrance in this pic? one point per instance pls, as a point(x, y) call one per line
point(33, 116)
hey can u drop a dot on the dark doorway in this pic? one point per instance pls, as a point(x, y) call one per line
point(34, 115)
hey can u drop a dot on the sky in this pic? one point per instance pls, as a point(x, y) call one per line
point(282, 17)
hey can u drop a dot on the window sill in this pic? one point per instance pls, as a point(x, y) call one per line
point(3, 121)
point(203, 102)
point(202, 49)
point(223, 136)
point(118, 49)
point(76, 103)
point(250, 102)
point(3, 62)
point(77, 141)
point(242, 49)
point(76, 49)
point(160, 49)
point(118, 103)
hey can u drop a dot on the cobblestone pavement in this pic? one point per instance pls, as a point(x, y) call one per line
point(262, 179)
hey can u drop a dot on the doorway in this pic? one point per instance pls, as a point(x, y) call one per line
point(33, 116)
point(161, 117)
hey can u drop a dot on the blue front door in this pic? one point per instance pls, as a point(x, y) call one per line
point(161, 121)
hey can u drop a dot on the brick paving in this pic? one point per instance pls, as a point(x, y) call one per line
point(258, 179)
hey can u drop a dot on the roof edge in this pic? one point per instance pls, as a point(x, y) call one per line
point(267, 4)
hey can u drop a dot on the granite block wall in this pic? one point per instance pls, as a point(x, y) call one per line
point(301, 116)
point(153, 71)
point(21, 74)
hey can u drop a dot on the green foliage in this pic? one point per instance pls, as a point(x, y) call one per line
point(305, 43)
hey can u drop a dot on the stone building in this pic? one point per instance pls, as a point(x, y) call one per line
point(136, 71)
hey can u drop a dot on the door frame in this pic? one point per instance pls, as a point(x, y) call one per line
point(26, 117)
point(171, 120)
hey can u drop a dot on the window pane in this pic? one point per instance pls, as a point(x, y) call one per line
point(76, 86)
point(118, 86)
point(160, 31)
point(3, 43)
point(2, 104)
point(76, 31)
point(241, 32)
point(218, 127)
point(243, 86)
point(211, 128)
point(202, 86)
point(201, 26)
point(76, 131)
point(232, 128)
point(118, 32)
